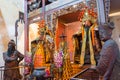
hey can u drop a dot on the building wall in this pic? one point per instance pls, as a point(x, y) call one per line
point(60, 29)
point(9, 12)
point(116, 31)
point(71, 29)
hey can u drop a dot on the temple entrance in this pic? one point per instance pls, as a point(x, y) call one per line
point(70, 26)
point(79, 45)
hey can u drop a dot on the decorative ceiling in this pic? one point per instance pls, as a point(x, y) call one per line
point(68, 18)
point(71, 17)
point(73, 11)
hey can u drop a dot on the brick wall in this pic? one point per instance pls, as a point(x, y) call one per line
point(59, 30)
point(69, 29)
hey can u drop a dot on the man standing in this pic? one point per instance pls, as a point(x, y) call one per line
point(109, 64)
point(12, 58)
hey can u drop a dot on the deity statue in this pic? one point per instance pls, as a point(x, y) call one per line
point(109, 64)
point(90, 44)
point(49, 48)
point(39, 60)
point(12, 58)
point(62, 53)
point(63, 44)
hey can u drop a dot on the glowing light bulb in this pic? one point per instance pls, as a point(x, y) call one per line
point(86, 13)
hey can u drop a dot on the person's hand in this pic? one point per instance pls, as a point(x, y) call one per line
point(93, 67)
point(13, 57)
point(18, 61)
point(101, 78)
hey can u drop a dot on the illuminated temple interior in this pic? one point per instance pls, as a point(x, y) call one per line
point(53, 38)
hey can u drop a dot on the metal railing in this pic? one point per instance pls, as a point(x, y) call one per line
point(1, 72)
point(2, 69)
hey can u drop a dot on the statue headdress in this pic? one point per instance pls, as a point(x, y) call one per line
point(107, 26)
point(87, 14)
point(12, 42)
point(41, 27)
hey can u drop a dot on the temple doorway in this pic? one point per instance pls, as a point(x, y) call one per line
point(69, 25)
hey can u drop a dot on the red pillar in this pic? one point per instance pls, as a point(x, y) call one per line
point(26, 29)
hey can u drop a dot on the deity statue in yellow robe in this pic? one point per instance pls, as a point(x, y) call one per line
point(39, 56)
point(91, 44)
